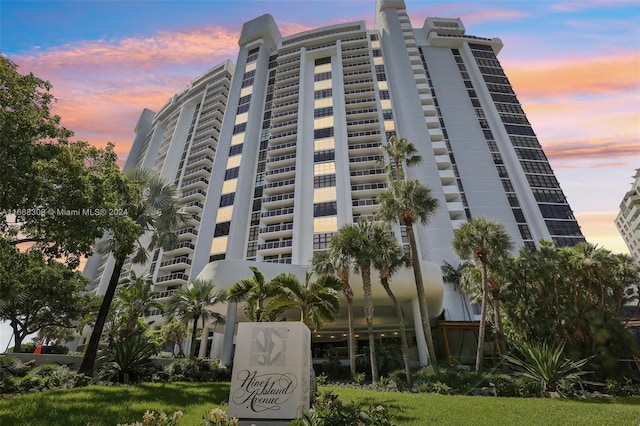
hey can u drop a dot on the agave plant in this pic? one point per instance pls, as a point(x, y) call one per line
point(546, 365)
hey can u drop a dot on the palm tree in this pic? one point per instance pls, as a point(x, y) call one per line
point(136, 299)
point(328, 262)
point(400, 150)
point(151, 206)
point(483, 240)
point(257, 292)
point(407, 202)
point(316, 300)
point(389, 258)
point(195, 302)
point(357, 244)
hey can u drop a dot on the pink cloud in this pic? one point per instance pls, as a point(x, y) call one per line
point(603, 74)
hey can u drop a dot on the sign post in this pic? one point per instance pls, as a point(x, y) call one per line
point(271, 372)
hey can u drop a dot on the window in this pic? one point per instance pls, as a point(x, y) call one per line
point(325, 93)
point(235, 150)
point(384, 94)
point(324, 168)
point(323, 133)
point(222, 229)
point(325, 209)
point(322, 76)
point(323, 112)
point(239, 128)
point(322, 61)
point(227, 199)
point(321, 241)
point(327, 155)
point(231, 173)
point(324, 181)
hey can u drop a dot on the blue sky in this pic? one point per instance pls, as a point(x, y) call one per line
point(575, 66)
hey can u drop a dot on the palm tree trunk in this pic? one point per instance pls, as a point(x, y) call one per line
point(368, 314)
point(483, 321)
point(194, 335)
point(422, 298)
point(91, 351)
point(403, 333)
point(352, 350)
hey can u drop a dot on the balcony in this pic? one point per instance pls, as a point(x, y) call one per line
point(275, 247)
point(277, 216)
point(175, 278)
point(278, 201)
point(277, 231)
point(279, 187)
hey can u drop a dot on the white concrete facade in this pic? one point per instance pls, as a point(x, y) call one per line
point(628, 219)
point(278, 151)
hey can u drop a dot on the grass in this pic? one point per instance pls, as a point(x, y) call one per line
point(110, 405)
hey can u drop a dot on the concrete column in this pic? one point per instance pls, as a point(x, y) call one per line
point(229, 331)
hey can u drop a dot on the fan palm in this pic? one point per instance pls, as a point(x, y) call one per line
point(356, 242)
point(409, 202)
point(316, 300)
point(152, 206)
point(256, 292)
point(194, 303)
point(400, 150)
point(389, 258)
point(328, 262)
point(482, 240)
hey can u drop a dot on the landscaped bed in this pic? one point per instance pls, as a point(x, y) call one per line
point(110, 405)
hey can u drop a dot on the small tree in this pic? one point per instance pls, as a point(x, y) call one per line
point(256, 292)
point(334, 261)
point(37, 294)
point(316, 300)
point(194, 303)
point(174, 333)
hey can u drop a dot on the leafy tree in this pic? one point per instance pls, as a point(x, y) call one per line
point(573, 295)
point(389, 258)
point(482, 240)
point(174, 333)
point(55, 334)
point(316, 300)
point(135, 299)
point(55, 193)
point(38, 294)
point(399, 151)
point(408, 202)
point(151, 207)
point(194, 303)
point(328, 262)
point(256, 292)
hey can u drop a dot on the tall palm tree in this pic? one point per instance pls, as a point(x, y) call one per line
point(316, 300)
point(151, 207)
point(482, 240)
point(257, 292)
point(328, 262)
point(357, 244)
point(408, 202)
point(194, 303)
point(400, 150)
point(389, 258)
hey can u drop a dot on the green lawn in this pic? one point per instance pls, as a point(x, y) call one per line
point(100, 405)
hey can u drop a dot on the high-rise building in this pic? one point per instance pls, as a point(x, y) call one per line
point(274, 154)
point(628, 219)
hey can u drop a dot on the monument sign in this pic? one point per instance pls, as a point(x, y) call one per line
point(271, 371)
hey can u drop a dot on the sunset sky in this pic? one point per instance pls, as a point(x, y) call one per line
point(575, 67)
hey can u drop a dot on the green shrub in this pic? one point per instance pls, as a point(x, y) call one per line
point(546, 365)
point(197, 370)
point(622, 387)
point(129, 359)
point(328, 409)
point(458, 381)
